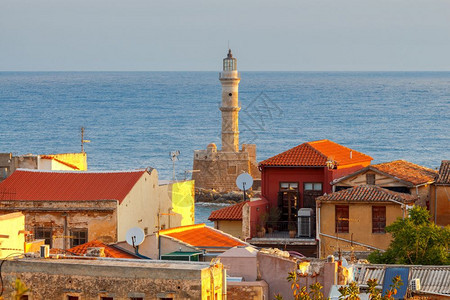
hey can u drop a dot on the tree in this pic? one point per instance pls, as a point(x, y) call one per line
point(415, 241)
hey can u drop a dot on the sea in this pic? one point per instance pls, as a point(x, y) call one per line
point(135, 119)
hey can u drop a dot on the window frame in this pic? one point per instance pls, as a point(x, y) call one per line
point(77, 231)
point(370, 178)
point(289, 183)
point(313, 185)
point(342, 226)
point(379, 224)
point(43, 230)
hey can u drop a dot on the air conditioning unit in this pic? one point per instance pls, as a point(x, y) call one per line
point(415, 284)
point(44, 251)
point(305, 222)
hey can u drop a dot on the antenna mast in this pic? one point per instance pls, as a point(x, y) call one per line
point(83, 140)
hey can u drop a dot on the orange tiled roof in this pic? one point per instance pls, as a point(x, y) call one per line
point(316, 154)
point(444, 173)
point(109, 251)
point(407, 171)
point(233, 212)
point(200, 235)
point(36, 185)
point(367, 193)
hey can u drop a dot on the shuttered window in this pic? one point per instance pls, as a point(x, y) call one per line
point(341, 214)
point(378, 219)
point(370, 179)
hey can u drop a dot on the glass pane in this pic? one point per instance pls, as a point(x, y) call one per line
point(317, 186)
point(284, 185)
point(294, 185)
point(308, 186)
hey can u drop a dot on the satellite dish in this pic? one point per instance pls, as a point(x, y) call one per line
point(135, 236)
point(244, 181)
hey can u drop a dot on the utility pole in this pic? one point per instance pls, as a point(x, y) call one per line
point(83, 140)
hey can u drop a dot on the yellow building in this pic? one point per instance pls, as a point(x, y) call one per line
point(355, 218)
point(440, 197)
point(12, 234)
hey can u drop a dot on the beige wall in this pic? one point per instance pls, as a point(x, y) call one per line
point(360, 227)
point(144, 202)
point(231, 227)
point(10, 235)
point(440, 197)
point(253, 290)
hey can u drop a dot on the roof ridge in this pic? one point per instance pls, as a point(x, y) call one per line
point(316, 150)
point(83, 172)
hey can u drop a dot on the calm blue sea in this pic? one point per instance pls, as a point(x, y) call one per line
point(134, 119)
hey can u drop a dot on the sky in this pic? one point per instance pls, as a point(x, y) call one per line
point(193, 35)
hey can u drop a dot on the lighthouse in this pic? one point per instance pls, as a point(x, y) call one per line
point(229, 78)
point(218, 169)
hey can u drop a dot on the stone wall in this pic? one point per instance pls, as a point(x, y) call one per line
point(98, 217)
point(248, 290)
point(120, 279)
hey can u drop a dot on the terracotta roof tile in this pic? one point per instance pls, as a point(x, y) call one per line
point(316, 154)
point(200, 235)
point(233, 212)
point(407, 171)
point(444, 173)
point(36, 185)
point(367, 193)
point(109, 251)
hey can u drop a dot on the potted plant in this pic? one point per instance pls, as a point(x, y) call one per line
point(274, 216)
point(292, 230)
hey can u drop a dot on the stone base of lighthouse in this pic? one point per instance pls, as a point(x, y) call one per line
point(218, 169)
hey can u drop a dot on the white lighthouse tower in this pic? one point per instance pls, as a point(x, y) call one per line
point(218, 169)
point(230, 78)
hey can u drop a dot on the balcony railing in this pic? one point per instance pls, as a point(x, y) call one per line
point(281, 229)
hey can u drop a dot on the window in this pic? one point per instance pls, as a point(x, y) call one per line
point(24, 297)
point(378, 219)
point(370, 179)
point(310, 186)
point(106, 298)
point(79, 237)
point(285, 186)
point(341, 213)
point(44, 233)
point(73, 298)
point(136, 298)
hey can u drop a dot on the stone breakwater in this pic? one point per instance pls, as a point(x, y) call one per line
point(205, 195)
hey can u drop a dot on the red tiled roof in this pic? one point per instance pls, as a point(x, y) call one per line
point(233, 212)
point(109, 251)
point(316, 154)
point(367, 193)
point(36, 185)
point(407, 171)
point(444, 173)
point(200, 235)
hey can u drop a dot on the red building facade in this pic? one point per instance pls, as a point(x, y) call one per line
point(293, 179)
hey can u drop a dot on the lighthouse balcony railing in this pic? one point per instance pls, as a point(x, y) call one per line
point(230, 75)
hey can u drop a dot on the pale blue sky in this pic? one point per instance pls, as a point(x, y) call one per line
point(295, 35)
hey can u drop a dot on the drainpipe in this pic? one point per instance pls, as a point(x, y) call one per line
point(402, 205)
point(65, 231)
point(318, 228)
point(435, 204)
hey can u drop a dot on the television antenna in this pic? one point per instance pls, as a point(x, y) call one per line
point(244, 182)
point(134, 237)
point(83, 140)
point(174, 157)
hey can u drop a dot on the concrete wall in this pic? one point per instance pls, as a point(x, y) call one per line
point(248, 290)
point(99, 217)
point(231, 227)
point(245, 267)
point(11, 239)
point(360, 227)
point(57, 279)
point(440, 204)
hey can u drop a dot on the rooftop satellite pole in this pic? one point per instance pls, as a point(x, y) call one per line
point(244, 182)
point(134, 237)
point(174, 157)
point(83, 140)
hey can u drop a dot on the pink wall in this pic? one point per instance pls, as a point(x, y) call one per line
point(256, 209)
